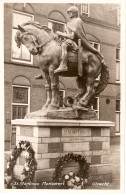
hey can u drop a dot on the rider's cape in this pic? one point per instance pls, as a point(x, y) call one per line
point(76, 25)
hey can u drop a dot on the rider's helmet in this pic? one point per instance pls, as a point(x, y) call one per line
point(73, 9)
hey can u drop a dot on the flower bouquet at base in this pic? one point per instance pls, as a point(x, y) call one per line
point(73, 181)
point(29, 167)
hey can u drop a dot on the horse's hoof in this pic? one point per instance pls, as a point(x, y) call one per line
point(84, 103)
point(51, 107)
point(82, 107)
point(44, 108)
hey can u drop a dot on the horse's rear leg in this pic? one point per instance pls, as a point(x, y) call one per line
point(81, 86)
point(89, 91)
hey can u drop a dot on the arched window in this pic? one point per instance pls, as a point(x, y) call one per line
point(20, 97)
point(94, 41)
point(20, 102)
point(20, 16)
point(56, 21)
point(85, 9)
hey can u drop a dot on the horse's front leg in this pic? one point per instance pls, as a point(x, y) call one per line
point(48, 92)
point(55, 102)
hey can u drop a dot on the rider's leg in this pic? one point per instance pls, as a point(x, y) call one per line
point(99, 55)
point(63, 64)
point(89, 47)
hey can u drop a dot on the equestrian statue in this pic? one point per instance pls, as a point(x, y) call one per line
point(67, 54)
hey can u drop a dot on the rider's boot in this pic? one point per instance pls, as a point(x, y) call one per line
point(62, 67)
point(63, 64)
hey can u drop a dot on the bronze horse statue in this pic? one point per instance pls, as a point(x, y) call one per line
point(47, 47)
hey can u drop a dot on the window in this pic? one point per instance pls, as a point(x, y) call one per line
point(118, 54)
point(96, 106)
point(56, 26)
point(117, 130)
point(61, 96)
point(20, 54)
point(20, 105)
point(95, 45)
point(85, 8)
point(117, 64)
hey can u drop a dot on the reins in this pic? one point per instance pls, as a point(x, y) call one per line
point(48, 40)
point(38, 46)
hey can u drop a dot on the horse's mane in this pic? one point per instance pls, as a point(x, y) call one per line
point(37, 25)
point(34, 23)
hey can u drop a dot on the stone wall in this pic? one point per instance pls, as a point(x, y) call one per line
point(91, 139)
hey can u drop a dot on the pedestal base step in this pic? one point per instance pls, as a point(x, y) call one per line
point(72, 113)
point(64, 113)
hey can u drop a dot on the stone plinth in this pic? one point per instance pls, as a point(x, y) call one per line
point(77, 113)
point(51, 139)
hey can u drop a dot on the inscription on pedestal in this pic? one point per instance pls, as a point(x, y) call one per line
point(76, 132)
point(76, 139)
point(26, 131)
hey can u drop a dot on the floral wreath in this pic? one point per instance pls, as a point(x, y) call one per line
point(72, 180)
point(29, 166)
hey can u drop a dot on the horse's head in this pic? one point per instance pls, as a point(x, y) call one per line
point(28, 39)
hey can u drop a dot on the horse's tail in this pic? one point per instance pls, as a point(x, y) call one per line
point(104, 78)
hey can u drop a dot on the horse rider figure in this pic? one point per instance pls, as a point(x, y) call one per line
point(74, 30)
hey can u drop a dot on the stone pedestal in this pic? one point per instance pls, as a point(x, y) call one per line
point(51, 139)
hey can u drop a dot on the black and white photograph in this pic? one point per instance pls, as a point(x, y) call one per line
point(64, 96)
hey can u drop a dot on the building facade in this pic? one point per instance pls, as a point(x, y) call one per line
point(24, 94)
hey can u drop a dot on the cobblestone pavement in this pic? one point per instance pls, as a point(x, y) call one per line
point(115, 161)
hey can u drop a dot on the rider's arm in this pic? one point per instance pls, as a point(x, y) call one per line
point(70, 35)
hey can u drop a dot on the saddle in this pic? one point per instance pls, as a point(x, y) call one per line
point(79, 57)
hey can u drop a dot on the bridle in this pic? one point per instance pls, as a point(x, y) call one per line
point(38, 46)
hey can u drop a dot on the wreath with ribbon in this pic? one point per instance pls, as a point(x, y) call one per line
point(29, 166)
point(72, 180)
